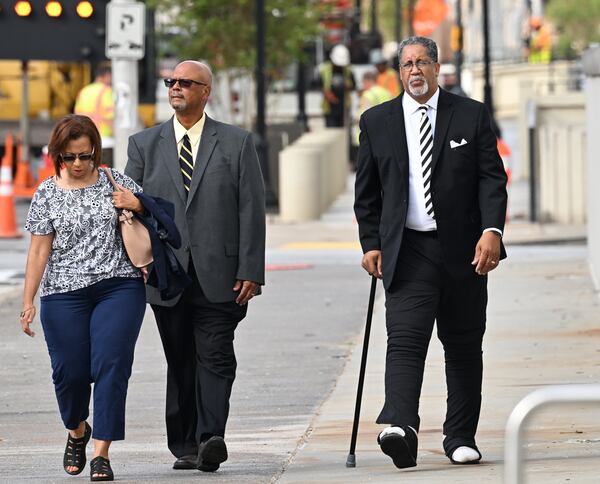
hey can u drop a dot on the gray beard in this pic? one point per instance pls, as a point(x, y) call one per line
point(419, 91)
point(179, 107)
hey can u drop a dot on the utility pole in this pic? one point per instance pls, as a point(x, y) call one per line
point(126, 21)
point(373, 16)
point(301, 86)
point(24, 122)
point(457, 42)
point(398, 24)
point(261, 125)
point(487, 87)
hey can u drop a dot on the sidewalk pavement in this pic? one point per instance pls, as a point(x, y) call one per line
point(542, 330)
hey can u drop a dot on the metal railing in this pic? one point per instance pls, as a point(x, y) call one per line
point(513, 451)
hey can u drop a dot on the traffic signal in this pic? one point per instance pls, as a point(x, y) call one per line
point(63, 30)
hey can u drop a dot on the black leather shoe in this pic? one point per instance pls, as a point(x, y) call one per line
point(211, 454)
point(186, 462)
point(402, 449)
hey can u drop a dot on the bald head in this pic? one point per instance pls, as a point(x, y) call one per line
point(201, 69)
point(189, 101)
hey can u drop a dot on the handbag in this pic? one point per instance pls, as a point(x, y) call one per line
point(136, 238)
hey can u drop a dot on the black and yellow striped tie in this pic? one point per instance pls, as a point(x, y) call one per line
point(186, 162)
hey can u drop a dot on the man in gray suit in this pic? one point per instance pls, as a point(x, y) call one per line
point(210, 171)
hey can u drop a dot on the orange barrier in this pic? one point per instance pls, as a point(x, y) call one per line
point(24, 185)
point(8, 217)
point(505, 154)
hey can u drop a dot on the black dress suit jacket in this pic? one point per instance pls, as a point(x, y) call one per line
point(468, 182)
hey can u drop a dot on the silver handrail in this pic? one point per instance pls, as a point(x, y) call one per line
point(513, 452)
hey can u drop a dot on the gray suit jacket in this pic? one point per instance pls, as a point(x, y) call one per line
point(222, 220)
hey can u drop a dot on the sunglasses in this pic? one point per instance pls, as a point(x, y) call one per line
point(71, 157)
point(186, 83)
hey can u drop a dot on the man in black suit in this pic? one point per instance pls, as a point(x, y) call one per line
point(210, 171)
point(430, 204)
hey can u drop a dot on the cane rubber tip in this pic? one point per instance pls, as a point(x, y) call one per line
point(351, 460)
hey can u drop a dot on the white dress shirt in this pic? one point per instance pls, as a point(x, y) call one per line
point(417, 217)
point(194, 133)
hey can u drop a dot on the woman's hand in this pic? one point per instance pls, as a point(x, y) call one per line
point(26, 317)
point(144, 271)
point(127, 200)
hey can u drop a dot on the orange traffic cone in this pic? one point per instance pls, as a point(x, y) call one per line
point(24, 185)
point(8, 218)
point(47, 169)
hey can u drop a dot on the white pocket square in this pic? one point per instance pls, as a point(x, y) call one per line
point(454, 144)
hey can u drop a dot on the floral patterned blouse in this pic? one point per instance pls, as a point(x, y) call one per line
point(87, 245)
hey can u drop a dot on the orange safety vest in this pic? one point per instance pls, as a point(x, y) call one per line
point(96, 101)
point(389, 80)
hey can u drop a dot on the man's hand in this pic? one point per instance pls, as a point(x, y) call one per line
point(371, 262)
point(248, 290)
point(331, 97)
point(487, 253)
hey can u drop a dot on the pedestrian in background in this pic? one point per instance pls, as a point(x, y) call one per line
point(210, 172)
point(337, 82)
point(96, 100)
point(430, 204)
point(387, 77)
point(449, 80)
point(371, 95)
point(92, 299)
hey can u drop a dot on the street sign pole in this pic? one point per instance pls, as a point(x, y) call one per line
point(126, 22)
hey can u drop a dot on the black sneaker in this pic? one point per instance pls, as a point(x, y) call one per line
point(401, 448)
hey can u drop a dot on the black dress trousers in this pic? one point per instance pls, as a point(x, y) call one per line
point(422, 291)
point(197, 337)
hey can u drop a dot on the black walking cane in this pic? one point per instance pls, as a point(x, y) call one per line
point(351, 460)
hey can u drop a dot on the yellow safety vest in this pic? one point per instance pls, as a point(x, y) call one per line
point(96, 101)
point(326, 71)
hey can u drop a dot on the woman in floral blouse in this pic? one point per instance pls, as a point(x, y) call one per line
point(92, 299)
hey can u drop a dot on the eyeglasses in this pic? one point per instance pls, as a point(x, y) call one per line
point(186, 83)
point(71, 157)
point(420, 65)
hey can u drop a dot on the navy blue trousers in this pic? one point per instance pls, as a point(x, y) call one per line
point(91, 335)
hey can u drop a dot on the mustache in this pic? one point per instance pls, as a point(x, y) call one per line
point(417, 78)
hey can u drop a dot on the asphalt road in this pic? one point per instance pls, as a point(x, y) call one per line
point(290, 348)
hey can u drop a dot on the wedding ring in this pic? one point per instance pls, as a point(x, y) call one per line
point(492, 262)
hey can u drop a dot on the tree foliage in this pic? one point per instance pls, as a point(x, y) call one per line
point(223, 32)
point(577, 24)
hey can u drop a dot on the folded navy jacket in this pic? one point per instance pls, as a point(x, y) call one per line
point(165, 273)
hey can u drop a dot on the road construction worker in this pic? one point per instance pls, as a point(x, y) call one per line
point(337, 83)
point(96, 101)
point(372, 93)
point(386, 76)
point(449, 80)
point(540, 42)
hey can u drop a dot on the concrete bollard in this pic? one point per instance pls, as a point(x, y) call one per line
point(334, 170)
point(300, 182)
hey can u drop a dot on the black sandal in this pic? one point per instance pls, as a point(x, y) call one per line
point(75, 451)
point(100, 465)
